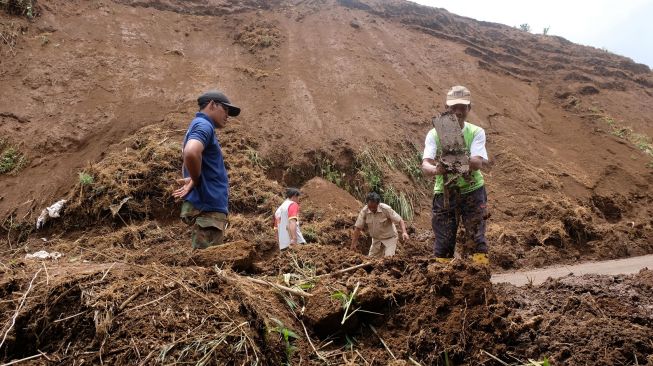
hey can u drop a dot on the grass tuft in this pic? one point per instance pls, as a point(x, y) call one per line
point(11, 159)
point(85, 179)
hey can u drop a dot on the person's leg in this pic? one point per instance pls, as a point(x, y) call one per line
point(444, 223)
point(204, 237)
point(390, 246)
point(376, 249)
point(473, 211)
point(209, 229)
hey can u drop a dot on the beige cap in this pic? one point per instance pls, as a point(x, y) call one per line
point(458, 95)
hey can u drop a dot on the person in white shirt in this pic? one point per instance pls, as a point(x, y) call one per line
point(286, 221)
point(466, 196)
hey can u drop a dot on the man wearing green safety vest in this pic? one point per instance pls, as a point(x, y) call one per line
point(465, 197)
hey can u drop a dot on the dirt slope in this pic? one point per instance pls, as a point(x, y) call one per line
point(337, 97)
point(320, 83)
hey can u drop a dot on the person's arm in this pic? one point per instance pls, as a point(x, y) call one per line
point(293, 217)
point(358, 227)
point(276, 227)
point(292, 228)
point(404, 234)
point(193, 160)
point(354, 238)
point(396, 218)
point(429, 166)
point(478, 154)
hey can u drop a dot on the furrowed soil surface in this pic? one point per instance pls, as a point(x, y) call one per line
point(337, 98)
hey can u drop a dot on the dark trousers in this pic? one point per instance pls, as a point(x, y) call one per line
point(472, 207)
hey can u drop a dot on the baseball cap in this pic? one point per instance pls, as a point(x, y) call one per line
point(218, 97)
point(458, 95)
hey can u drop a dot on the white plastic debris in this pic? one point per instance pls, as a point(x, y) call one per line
point(42, 254)
point(52, 211)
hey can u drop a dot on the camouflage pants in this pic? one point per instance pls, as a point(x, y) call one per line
point(207, 227)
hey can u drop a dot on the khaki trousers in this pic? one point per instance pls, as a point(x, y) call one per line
point(383, 247)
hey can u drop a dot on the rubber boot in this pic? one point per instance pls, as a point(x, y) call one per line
point(480, 258)
point(443, 260)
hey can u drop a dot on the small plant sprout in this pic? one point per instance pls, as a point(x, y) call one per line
point(255, 158)
point(288, 336)
point(347, 300)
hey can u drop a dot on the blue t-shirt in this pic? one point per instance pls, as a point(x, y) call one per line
point(213, 192)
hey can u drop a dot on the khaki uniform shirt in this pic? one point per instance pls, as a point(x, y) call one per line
point(380, 224)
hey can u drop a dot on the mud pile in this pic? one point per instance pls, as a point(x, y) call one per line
point(400, 309)
point(118, 312)
point(574, 319)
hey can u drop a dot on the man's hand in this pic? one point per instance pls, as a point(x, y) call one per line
point(187, 186)
point(405, 236)
point(440, 169)
point(431, 167)
point(475, 163)
point(353, 246)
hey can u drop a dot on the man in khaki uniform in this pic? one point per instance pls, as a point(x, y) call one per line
point(379, 220)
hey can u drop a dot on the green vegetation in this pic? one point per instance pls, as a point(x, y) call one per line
point(256, 159)
point(310, 234)
point(446, 359)
point(85, 179)
point(372, 168)
point(347, 301)
point(546, 30)
point(641, 141)
point(288, 336)
point(329, 171)
point(11, 159)
point(411, 165)
point(399, 202)
point(369, 168)
point(525, 27)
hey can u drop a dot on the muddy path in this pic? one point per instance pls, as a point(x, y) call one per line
point(612, 267)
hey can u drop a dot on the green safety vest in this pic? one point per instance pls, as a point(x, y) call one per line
point(476, 180)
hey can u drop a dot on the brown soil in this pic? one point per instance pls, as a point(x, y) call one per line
point(107, 88)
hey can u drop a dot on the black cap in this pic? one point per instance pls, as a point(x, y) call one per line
point(218, 97)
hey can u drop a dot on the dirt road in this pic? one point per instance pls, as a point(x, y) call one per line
point(611, 267)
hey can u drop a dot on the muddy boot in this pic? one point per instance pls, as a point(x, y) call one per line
point(480, 258)
point(443, 260)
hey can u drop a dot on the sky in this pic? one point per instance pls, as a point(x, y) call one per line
point(623, 27)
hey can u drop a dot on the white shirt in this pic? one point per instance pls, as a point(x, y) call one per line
point(477, 148)
point(283, 227)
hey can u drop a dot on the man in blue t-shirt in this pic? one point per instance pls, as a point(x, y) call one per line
point(205, 187)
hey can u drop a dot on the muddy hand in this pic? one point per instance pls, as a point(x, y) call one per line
point(187, 186)
point(406, 237)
